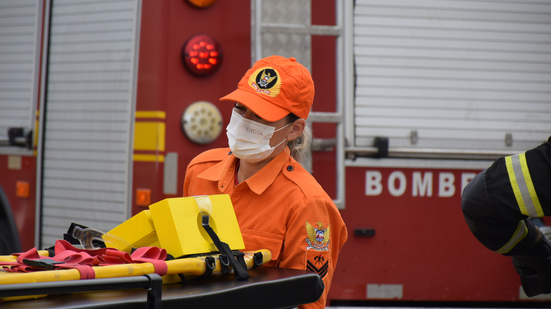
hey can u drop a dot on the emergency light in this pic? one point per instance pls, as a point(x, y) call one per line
point(202, 55)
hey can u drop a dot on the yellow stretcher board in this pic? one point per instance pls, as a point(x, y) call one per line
point(177, 225)
point(190, 267)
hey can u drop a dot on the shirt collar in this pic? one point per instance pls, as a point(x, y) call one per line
point(223, 173)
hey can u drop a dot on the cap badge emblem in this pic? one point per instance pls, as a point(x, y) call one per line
point(266, 81)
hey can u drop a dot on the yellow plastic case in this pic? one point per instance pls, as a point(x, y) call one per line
point(138, 231)
point(178, 224)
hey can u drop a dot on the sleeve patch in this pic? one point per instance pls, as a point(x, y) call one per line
point(317, 262)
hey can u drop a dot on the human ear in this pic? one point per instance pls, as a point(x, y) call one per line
point(297, 128)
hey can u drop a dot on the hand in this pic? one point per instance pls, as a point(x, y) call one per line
point(534, 268)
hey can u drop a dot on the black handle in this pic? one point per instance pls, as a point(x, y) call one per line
point(364, 232)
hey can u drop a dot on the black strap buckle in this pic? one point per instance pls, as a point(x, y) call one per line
point(224, 263)
point(239, 271)
point(44, 263)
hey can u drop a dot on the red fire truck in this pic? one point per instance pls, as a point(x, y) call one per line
point(104, 103)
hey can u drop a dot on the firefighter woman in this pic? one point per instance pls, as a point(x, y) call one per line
point(278, 204)
point(497, 205)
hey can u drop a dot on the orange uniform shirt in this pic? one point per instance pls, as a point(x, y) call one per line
point(281, 208)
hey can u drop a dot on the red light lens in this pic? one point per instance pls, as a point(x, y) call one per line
point(202, 55)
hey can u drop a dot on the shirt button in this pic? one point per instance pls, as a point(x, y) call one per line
point(229, 153)
point(290, 168)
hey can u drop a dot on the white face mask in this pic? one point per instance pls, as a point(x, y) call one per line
point(250, 140)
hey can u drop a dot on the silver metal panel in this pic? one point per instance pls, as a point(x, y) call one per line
point(288, 45)
point(170, 175)
point(462, 75)
point(20, 22)
point(88, 115)
point(284, 28)
point(286, 12)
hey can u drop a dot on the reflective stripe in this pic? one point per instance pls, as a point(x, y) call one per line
point(523, 188)
point(530, 186)
point(519, 235)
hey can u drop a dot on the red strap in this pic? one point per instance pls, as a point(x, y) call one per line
point(114, 256)
point(31, 254)
point(86, 271)
point(19, 266)
point(153, 255)
point(71, 257)
point(83, 260)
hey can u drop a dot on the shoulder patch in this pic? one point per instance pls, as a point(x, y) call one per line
point(318, 238)
point(212, 155)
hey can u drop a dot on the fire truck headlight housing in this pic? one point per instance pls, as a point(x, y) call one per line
point(202, 55)
point(202, 122)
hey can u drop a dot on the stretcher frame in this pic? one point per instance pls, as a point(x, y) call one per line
point(267, 287)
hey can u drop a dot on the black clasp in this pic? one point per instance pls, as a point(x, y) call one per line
point(44, 263)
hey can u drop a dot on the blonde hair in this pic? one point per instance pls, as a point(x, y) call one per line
point(300, 146)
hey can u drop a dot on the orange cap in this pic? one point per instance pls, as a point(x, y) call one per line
point(274, 87)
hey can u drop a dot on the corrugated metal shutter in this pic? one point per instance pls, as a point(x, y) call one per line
point(20, 21)
point(456, 74)
point(89, 115)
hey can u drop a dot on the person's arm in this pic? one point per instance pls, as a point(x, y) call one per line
point(315, 236)
point(497, 204)
point(496, 224)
